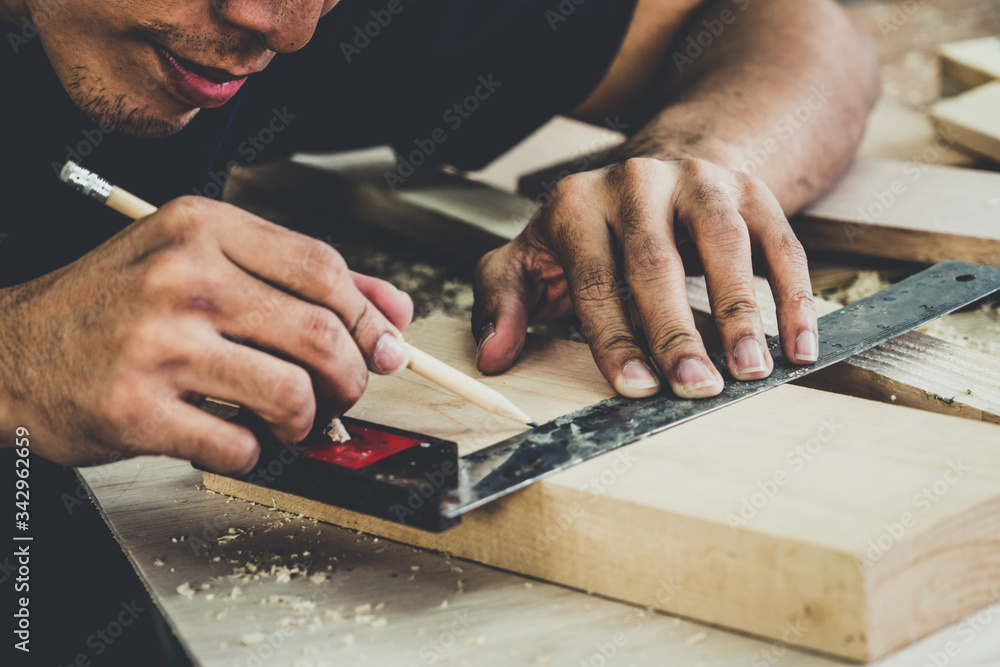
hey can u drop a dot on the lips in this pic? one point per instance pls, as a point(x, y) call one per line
point(198, 85)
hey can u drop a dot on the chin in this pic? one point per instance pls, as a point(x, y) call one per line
point(150, 116)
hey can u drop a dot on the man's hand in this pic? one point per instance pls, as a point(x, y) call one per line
point(105, 358)
point(610, 237)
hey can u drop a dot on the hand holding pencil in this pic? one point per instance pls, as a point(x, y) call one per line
point(418, 361)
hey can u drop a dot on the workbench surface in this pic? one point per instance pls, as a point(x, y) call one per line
point(382, 603)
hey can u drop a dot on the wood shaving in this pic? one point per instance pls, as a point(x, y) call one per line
point(186, 590)
point(696, 638)
point(158, 563)
point(251, 638)
point(336, 432)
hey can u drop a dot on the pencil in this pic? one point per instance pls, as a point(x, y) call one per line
point(462, 385)
point(420, 362)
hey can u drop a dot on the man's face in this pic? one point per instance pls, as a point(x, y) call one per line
point(147, 66)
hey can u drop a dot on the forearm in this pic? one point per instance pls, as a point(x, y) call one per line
point(781, 92)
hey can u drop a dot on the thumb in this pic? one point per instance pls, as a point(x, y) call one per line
point(505, 294)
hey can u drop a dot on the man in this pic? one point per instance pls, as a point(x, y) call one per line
point(742, 110)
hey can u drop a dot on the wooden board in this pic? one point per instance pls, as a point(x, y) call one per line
point(973, 118)
point(491, 619)
point(969, 63)
point(898, 131)
point(796, 509)
point(915, 369)
point(909, 211)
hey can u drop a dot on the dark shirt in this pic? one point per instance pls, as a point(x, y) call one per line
point(454, 82)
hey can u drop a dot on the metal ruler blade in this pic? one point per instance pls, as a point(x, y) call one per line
point(511, 464)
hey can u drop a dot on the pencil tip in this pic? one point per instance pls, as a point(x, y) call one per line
point(533, 424)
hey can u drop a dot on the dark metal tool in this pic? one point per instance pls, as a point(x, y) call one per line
point(419, 481)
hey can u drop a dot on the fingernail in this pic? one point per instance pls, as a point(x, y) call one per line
point(806, 347)
point(750, 356)
point(489, 331)
point(636, 375)
point(694, 375)
point(390, 354)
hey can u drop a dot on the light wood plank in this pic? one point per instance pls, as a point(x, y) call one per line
point(969, 63)
point(909, 211)
point(765, 514)
point(973, 118)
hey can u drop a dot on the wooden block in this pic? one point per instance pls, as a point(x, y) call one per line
point(914, 370)
point(969, 63)
point(824, 521)
point(973, 119)
point(908, 211)
point(898, 131)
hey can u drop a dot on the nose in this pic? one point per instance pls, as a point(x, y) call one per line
point(286, 25)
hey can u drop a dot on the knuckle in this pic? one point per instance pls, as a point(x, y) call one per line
point(169, 272)
point(612, 338)
point(651, 258)
point(186, 217)
point(699, 170)
point(294, 398)
point(321, 330)
point(355, 389)
point(790, 246)
point(670, 339)
point(570, 195)
point(633, 171)
point(725, 230)
point(330, 267)
point(734, 309)
point(798, 297)
point(595, 282)
point(150, 341)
